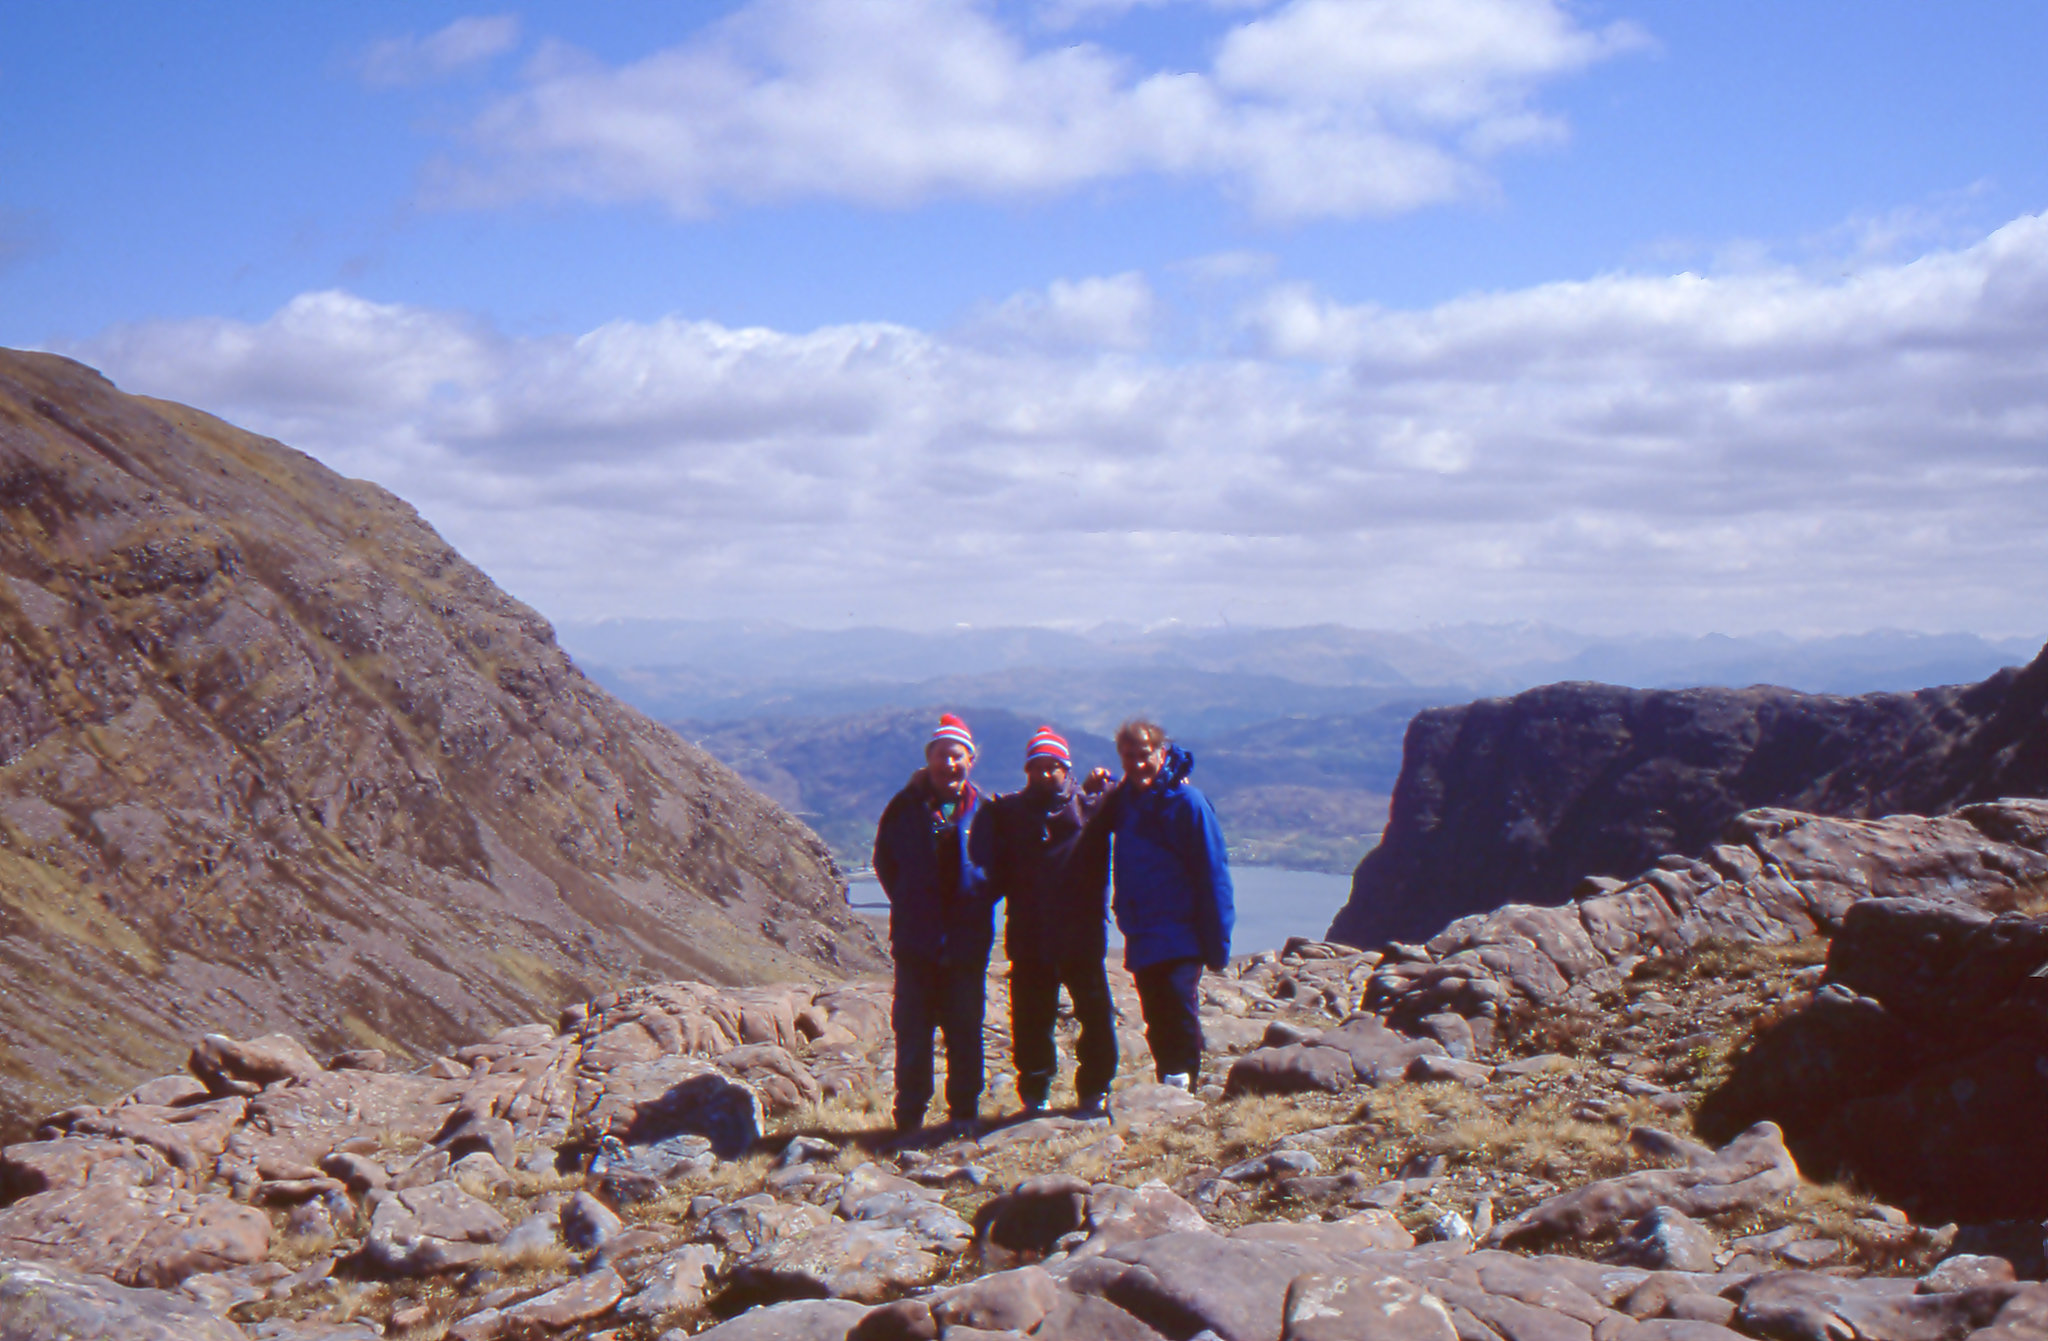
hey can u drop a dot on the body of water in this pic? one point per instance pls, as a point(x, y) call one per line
point(1272, 904)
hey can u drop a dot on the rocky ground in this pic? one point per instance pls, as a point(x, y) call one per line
point(687, 1159)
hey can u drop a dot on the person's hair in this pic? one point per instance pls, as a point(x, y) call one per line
point(1142, 733)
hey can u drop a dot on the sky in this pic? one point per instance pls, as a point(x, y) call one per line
point(1629, 317)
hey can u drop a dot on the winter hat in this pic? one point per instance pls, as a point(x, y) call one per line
point(954, 731)
point(1048, 744)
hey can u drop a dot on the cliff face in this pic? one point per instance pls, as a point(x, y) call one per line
point(1516, 800)
point(272, 755)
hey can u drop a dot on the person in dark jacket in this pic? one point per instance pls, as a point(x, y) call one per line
point(1053, 878)
point(1173, 897)
point(941, 927)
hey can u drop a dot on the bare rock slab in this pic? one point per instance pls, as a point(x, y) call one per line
point(42, 1302)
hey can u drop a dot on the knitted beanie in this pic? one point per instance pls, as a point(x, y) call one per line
point(1048, 744)
point(952, 729)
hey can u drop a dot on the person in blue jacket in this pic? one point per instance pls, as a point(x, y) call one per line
point(1173, 900)
point(941, 927)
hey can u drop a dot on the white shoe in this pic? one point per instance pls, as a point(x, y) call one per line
point(1180, 1080)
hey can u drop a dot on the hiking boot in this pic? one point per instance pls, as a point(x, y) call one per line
point(1092, 1106)
point(1180, 1080)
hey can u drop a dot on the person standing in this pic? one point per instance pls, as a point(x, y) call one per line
point(1173, 898)
point(941, 927)
point(1052, 875)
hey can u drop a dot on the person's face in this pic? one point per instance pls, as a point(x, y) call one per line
point(947, 763)
point(1044, 776)
point(1141, 762)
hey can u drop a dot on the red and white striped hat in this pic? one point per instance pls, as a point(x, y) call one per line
point(1047, 743)
point(952, 730)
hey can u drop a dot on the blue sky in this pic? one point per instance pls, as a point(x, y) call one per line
point(1629, 316)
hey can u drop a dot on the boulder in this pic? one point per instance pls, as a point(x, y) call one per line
point(439, 1227)
point(40, 1301)
point(864, 1261)
point(645, 1102)
point(1290, 1070)
point(679, 1282)
point(1119, 1215)
point(1004, 1301)
point(796, 1320)
point(1343, 1307)
point(1666, 1240)
point(1179, 1283)
point(227, 1066)
point(588, 1223)
point(1378, 1055)
point(1026, 1222)
point(153, 1236)
point(1749, 1172)
point(1802, 1306)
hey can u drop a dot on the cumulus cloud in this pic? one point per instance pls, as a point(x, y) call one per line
point(462, 44)
point(1111, 312)
point(1313, 108)
point(1628, 451)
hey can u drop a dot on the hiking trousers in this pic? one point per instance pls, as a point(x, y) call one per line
point(1034, 1010)
point(1173, 1019)
point(934, 995)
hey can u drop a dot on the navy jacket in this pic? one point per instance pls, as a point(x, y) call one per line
point(1173, 894)
point(940, 906)
point(1051, 872)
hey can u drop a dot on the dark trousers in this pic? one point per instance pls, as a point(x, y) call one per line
point(1035, 1007)
point(1173, 1019)
point(935, 995)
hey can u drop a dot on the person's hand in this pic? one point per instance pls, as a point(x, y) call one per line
point(1096, 781)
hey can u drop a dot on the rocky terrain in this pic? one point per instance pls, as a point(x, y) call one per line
point(1516, 799)
point(1543, 1124)
point(274, 757)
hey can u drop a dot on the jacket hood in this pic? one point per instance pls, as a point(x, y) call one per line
point(1179, 763)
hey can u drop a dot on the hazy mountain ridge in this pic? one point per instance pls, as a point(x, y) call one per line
point(1298, 731)
point(753, 667)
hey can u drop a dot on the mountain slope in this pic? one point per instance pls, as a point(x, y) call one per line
point(272, 755)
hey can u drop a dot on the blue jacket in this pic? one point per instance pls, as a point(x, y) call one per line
point(1173, 896)
point(940, 905)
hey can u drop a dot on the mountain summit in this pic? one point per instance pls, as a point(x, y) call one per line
point(274, 756)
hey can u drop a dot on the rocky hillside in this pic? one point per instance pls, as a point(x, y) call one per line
point(273, 756)
point(1506, 1134)
point(1517, 799)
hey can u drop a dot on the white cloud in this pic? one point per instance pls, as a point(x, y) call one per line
point(1112, 312)
point(1315, 108)
point(1743, 452)
point(462, 44)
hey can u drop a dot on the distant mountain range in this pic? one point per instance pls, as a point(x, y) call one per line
point(1297, 731)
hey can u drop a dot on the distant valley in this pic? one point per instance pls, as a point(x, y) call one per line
point(1297, 732)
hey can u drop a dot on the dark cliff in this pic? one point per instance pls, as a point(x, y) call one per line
point(1515, 800)
point(273, 756)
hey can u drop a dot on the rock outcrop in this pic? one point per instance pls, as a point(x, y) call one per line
point(1515, 800)
point(273, 756)
point(1920, 1066)
point(1783, 876)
